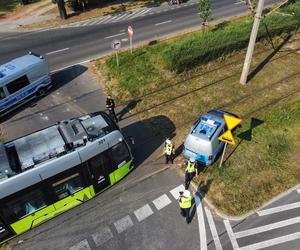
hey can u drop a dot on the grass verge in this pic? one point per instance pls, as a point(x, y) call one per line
point(266, 156)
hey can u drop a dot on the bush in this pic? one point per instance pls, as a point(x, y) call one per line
point(204, 47)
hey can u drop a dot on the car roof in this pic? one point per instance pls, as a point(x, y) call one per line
point(207, 126)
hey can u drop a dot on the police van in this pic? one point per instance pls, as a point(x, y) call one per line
point(202, 142)
point(21, 80)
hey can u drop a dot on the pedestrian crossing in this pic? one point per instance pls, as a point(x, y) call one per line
point(114, 18)
point(209, 231)
point(127, 15)
point(281, 236)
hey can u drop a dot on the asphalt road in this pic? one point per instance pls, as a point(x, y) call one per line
point(67, 46)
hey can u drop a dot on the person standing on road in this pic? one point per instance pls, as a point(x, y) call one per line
point(185, 203)
point(110, 105)
point(169, 151)
point(190, 171)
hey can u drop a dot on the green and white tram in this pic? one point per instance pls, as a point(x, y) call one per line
point(55, 169)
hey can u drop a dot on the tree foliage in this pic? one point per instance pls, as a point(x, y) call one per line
point(204, 8)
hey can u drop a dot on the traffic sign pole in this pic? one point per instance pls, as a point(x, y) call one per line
point(223, 155)
point(130, 39)
point(117, 58)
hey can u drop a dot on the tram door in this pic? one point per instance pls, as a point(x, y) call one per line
point(5, 231)
point(99, 167)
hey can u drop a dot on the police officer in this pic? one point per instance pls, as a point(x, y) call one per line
point(185, 203)
point(169, 151)
point(190, 171)
point(110, 105)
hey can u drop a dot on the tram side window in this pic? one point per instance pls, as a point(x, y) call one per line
point(119, 153)
point(68, 186)
point(26, 204)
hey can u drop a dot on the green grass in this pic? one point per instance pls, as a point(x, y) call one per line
point(256, 169)
point(9, 5)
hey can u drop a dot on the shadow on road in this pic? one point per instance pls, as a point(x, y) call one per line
point(147, 140)
point(59, 79)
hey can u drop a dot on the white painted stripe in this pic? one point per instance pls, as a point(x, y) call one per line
point(157, 24)
point(131, 14)
point(94, 22)
point(146, 12)
point(231, 235)
point(120, 34)
point(298, 190)
point(104, 19)
point(240, 2)
point(103, 235)
point(121, 16)
point(114, 17)
point(175, 191)
point(201, 223)
point(123, 224)
point(82, 245)
point(278, 209)
point(162, 202)
point(143, 212)
point(272, 242)
point(56, 51)
point(138, 13)
point(268, 227)
point(213, 229)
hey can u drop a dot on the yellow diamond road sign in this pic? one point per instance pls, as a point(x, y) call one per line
point(227, 137)
point(231, 121)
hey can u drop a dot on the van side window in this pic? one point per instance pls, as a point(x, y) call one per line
point(2, 94)
point(17, 84)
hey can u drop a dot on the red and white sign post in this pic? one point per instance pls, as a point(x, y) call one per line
point(130, 34)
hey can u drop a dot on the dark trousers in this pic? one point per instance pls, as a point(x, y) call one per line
point(185, 212)
point(169, 158)
point(188, 178)
point(113, 114)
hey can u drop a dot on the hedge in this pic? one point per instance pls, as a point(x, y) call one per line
point(226, 38)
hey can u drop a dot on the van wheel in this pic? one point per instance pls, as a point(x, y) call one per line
point(41, 92)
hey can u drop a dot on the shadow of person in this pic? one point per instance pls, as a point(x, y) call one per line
point(149, 135)
point(192, 211)
point(131, 105)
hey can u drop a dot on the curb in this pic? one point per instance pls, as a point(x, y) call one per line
point(244, 216)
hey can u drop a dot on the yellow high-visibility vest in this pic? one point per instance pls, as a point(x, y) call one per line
point(191, 167)
point(185, 202)
point(169, 149)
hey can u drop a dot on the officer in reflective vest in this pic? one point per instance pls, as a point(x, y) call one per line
point(169, 151)
point(190, 171)
point(185, 203)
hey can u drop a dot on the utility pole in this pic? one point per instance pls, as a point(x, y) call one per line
point(251, 45)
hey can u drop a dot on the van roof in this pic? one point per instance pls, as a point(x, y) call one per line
point(14, 66)
point(207, 126)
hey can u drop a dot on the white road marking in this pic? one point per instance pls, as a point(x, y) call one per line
point(162, 202)
point(57, 51)
point(157, 24)
point(120, 34)
point(201, 223)
point(102, 236)
point(231, 235)
point(175, 191)
point(213, 229)
point(272, 242)
point(82, 245)
point(268, 227)
point(139, 13)
point(298, 190)
point(240, 2)
point(143, 212)
point(121, 16)
point(278, 209)
point(123, 224)
point(144, 13)
point(104, 19)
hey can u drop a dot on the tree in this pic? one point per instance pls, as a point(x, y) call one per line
point(62, 9)
point(204, 8)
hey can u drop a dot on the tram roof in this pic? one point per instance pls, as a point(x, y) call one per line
point(50, 143)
